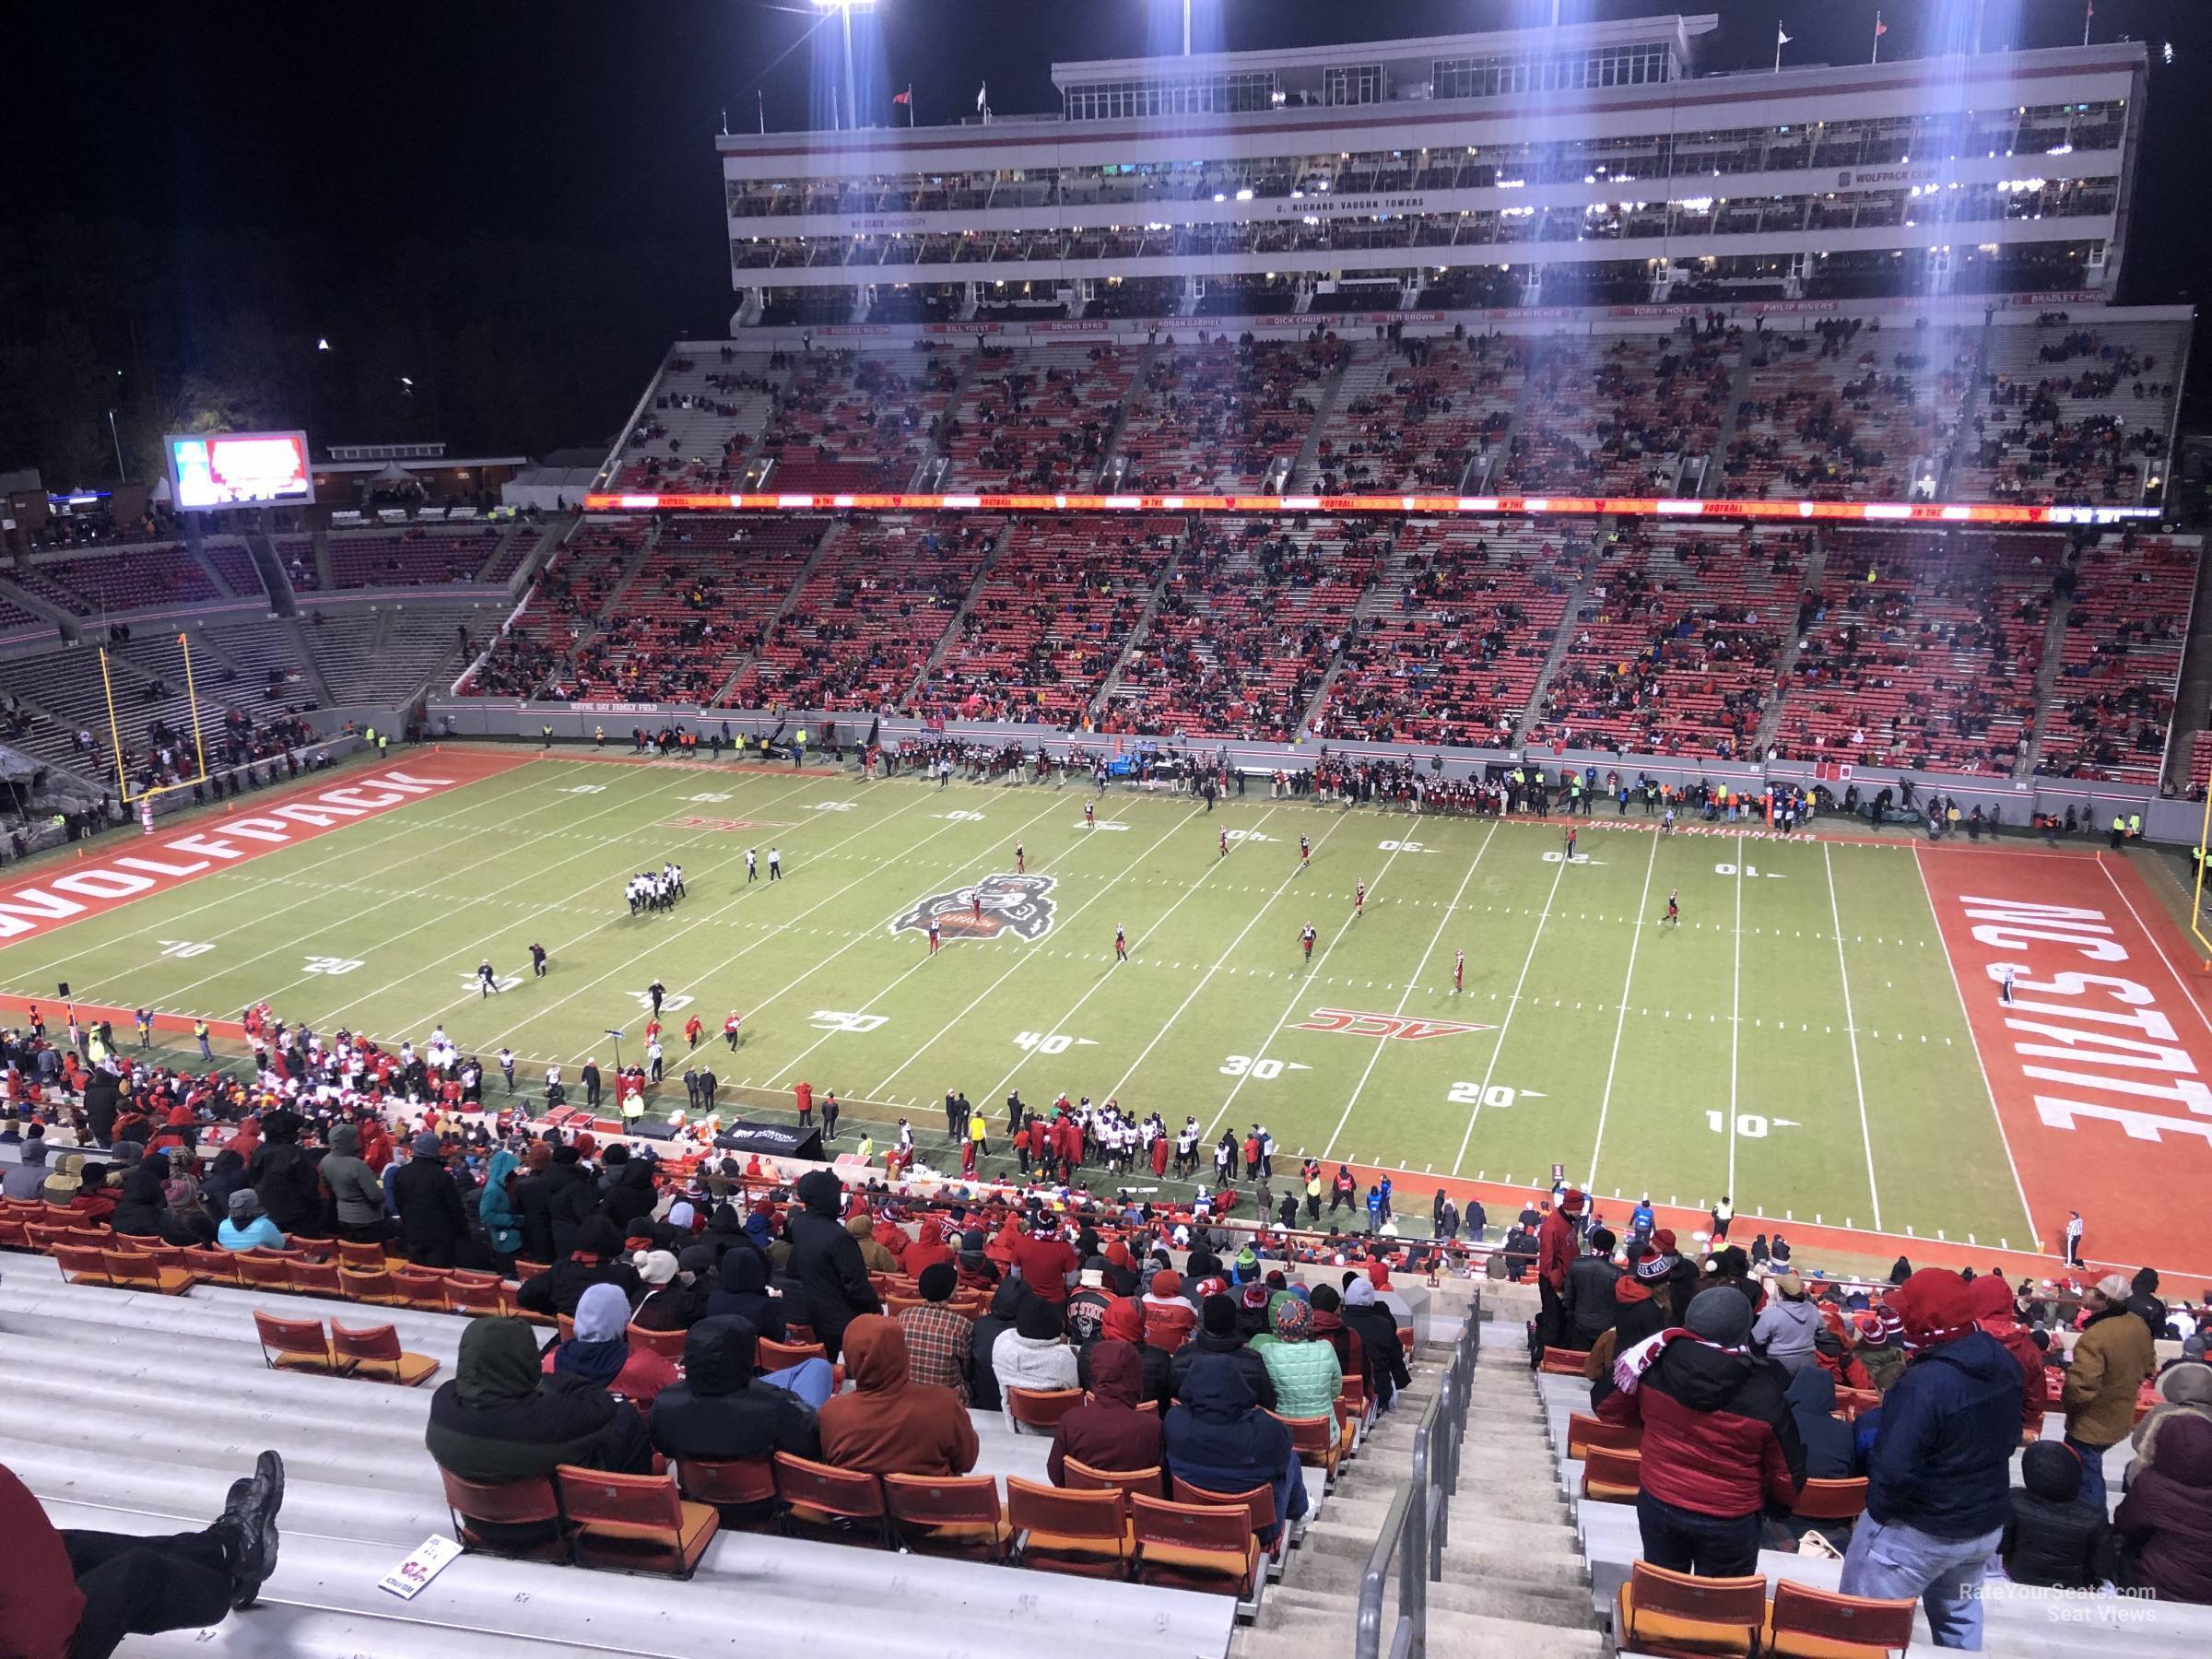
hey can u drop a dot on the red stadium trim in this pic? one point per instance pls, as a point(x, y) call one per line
point(1519, 506)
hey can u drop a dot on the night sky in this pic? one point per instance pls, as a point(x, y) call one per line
point(592, 123)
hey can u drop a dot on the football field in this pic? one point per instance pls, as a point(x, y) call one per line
point(1803, 1039)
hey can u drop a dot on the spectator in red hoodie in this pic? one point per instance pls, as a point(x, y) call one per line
point(1558, 1244)
point(1719, 1439)
point(1108, 1431)
point(927, 1250)
point(1169, 1318)
point(1045, 1260)
point(1989, 1299)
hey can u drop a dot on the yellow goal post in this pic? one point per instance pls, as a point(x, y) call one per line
point(192, 702)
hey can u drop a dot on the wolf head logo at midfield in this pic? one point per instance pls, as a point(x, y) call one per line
point(1022, 905)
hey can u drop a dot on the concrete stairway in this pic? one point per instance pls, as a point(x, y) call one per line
point(1512, 1580)
point(1786, 666)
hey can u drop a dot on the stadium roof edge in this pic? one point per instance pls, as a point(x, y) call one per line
point(1677, 28)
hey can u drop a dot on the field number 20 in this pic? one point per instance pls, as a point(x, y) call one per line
point(1474, 1094)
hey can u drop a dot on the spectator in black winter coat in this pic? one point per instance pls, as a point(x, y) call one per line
point(283, 1177)
point(140, 1204)
point(826, 1261)
point(983, 1380)
point(530, 1199)
point(1378, 1330)
point(432, 1221)
point(721, 1413)
point(572, 1197)
point(1588, 1298)
point(627, 1190)
point(741, 1292)
point(1217, 1334)
point(596, 1260)
point(2053, 1538)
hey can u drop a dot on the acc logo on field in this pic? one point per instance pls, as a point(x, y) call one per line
point(1022, 905)
point(1357, 1024)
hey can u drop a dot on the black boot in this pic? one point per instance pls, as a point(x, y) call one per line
point(251, 1513)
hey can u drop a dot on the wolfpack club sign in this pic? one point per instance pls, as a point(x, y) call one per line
point(1022, 905)
point(1354, 1023)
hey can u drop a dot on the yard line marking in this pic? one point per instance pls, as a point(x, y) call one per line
point(1857, 1080)
point(1736, 1014)
point(1988, 1087)
point(1289, 1008)
point(1105, 979)
point(268, 993)
point(1511, 1008)
point(1266, 904)
point(730, 904)
point(1605, 1101)
point(808, 973)
point(1419, 968)
point(482, 942)
point(1022, 957)
point(351, 850)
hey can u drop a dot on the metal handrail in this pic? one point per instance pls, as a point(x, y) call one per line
point(1416, 1527)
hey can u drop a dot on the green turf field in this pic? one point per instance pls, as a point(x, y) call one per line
point(1745, 1051)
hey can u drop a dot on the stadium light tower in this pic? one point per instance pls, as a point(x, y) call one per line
point(846, 8)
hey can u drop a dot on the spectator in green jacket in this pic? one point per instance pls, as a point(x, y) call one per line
point(1304, 1371)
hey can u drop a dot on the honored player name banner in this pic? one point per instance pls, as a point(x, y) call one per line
point(772, 1140)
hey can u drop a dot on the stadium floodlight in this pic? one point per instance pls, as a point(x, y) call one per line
point(844, 10)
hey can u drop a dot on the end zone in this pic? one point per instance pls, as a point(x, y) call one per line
point(137, 867)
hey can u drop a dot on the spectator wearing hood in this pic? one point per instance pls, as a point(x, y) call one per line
point(596, 1260)
point(721, 1413)
point(601, 1351)
point(1034, 1354)
point(2053, 1537)
point(874, 1254)
point(284, 1177)
point(2112, 1356)
point(1378, 1327)
point(1587, 1303)
point(826, 1261)
point(1217, 1438)
point(245, 1228)
point(140, 1202)
point(1221, 1334)
point(628, 1192)
point(1831, 1454)
point(434, 1223)
point(1785, 1329)
point(1939, 1472)
point(571, 1198)
point(939, 1343)
point(495, 1207)
point(1719, 1441)
point(977, 1270)
point(677, 1289)
point(983, 1380)
point(503, 1419)
point(1329, 1327)
point(26, 1181)
point(1990, 1301)
point(1125, 1321)
point(741, 1291)
point(533, 1202)
point(354, 1188)
point(2184, 1389)
point(927, 1249)
point(1108, 1430)
point(888, 1424)
point(2165, 1522)
point(1302, 1369)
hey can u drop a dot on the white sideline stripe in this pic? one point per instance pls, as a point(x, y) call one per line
point(329, 855)
point(514, 926)
point(1988, 1088)
point(1621, 1023)
point(2179, 978)
point(1382, 1042)
point(1297, 995)
point(804, 974)
point(1736, 1014)
point(1107, 978)
point(1266, 905)
point(1022, 958)
point(1850, 1028)
point(1512, 1007)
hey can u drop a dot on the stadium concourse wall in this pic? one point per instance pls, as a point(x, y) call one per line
point(2017, 799)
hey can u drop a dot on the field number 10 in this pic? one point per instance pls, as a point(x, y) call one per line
point(1748, 1125)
